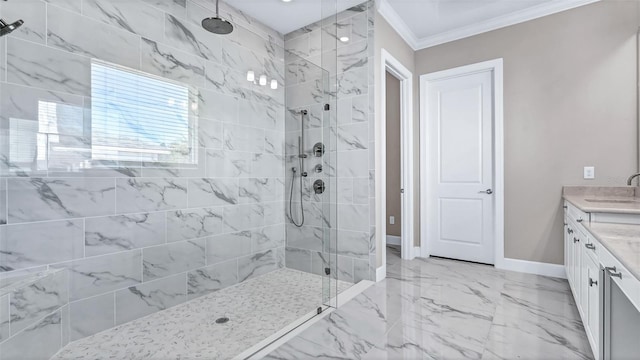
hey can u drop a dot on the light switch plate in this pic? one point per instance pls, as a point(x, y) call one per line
point(392, 220)
point(589, 172)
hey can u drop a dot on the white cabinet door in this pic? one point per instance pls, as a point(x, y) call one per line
point(593, 295)
point(568, 250)
point(575, 252)
point(583, 286)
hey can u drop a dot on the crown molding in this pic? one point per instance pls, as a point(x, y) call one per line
point(551, 7)
point(396, 22)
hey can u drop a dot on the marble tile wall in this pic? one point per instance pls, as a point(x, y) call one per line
point(34, 309)
point(137, 237)
point(349, 163)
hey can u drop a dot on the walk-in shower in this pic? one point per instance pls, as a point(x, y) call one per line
point(153, 185)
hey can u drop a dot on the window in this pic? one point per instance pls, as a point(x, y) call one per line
point(140, 117)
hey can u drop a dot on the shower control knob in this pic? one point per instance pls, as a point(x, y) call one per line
point(318, 149)
point(318, 186)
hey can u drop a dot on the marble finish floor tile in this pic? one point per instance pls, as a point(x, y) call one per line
point(257, 309)
point(446, 309)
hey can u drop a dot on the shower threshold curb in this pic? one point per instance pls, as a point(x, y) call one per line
point(268, 345)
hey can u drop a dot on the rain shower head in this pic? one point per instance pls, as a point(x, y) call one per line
point(8, 28)
point(217, 25)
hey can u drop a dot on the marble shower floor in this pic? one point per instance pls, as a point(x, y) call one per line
point(258, 308)
point(445, 309)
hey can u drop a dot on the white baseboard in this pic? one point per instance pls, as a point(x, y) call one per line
point(417, 252)
point(394, 240)
point(381, 273)
point(532, 267)
point(523, 266)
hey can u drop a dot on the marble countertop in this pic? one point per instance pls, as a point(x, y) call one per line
point(622, 240)
point(594, 199)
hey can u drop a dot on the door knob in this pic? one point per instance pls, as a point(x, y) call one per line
point(488, 191)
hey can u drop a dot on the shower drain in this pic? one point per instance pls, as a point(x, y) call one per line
point(222, 320)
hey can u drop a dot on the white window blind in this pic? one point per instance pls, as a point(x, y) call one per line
point(139, 117)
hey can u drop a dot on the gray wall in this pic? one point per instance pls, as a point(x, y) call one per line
point(394, 156)
point(140, 237)
point(569, 101)
point(387, 38)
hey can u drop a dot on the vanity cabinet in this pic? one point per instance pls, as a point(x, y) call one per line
point(592, 272)
point(574, 238)
point(583, 273)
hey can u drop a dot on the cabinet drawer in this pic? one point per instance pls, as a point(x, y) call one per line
point(576, 214)
point(626, 281)
point(615, 218)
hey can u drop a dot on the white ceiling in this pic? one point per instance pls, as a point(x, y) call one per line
point(425, 23)
point(431, 17)
point(287, 17)
point(422, 23)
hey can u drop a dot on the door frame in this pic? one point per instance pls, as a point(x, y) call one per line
point(394, 67)
point(496, 67)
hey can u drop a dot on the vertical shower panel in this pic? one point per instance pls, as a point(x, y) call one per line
point(342, 44)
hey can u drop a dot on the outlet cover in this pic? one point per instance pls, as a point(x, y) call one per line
point(589, 172)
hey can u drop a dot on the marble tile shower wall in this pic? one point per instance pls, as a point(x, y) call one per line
point(138, 237)
point(34, 309)
point(351, 143)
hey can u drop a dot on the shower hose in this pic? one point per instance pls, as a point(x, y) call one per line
point(293, 180)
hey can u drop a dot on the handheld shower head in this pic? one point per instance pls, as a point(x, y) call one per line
point(9, 28)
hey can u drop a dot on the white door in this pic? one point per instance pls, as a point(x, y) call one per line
point(460, 203)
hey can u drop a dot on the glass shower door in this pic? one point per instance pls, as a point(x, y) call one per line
point(329, 63)
point(310, 173)
point(329, 197)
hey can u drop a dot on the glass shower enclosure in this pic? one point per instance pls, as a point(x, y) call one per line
point(309, 172)
point(152, 172)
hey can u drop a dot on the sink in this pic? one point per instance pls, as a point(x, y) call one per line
point(612, 201)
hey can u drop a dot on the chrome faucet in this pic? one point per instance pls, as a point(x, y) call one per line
point(630, 179)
